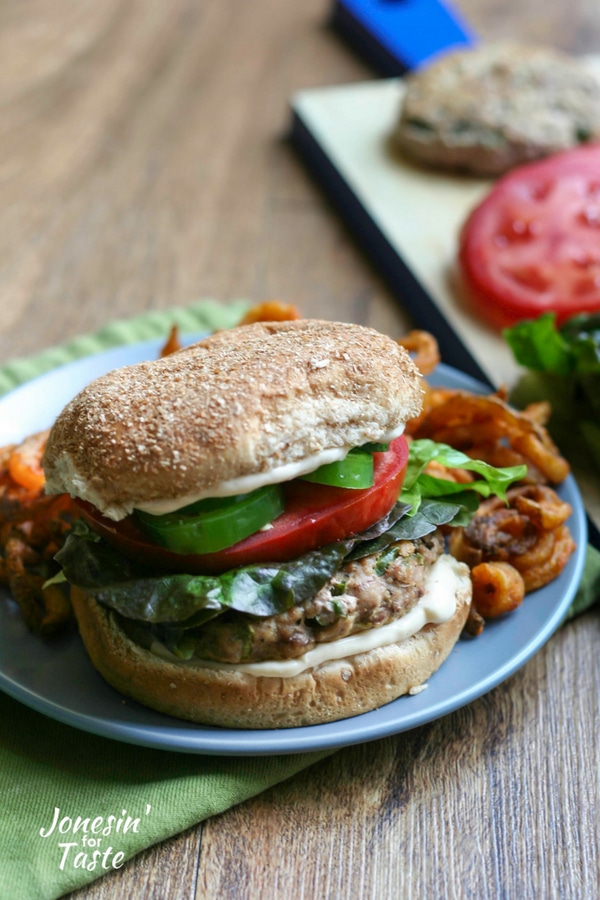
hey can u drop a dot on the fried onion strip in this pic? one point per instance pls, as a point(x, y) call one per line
point(486, 427)
point(530, 534)
point(498, 588)
point(270, 311)
point(172, 344)
point(539, 575)
point(424, 348)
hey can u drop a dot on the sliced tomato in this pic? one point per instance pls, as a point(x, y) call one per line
point(314, 515)
point(533, 245)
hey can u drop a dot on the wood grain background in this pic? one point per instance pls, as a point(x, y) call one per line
point(143, 163)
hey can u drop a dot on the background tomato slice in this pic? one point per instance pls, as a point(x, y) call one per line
point(533, 245)
point(315, 515)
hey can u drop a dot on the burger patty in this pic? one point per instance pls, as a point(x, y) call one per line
point(489, 109)
point(364, 594)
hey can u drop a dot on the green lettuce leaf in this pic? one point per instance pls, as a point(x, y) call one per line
point(419, 485)
point(564, 368)
point(539, 345)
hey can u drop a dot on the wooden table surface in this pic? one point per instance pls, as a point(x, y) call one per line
point(143, 163)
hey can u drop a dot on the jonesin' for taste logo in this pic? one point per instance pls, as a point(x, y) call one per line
point(81, 842)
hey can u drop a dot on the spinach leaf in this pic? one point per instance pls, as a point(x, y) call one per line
point(97, 568)
point(190, 600)
point(431, 515)
point(267, 590)
point(137, 593)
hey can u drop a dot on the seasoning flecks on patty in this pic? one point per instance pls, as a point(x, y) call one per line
point(366, 593)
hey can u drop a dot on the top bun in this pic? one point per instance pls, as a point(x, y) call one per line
point(238, 403)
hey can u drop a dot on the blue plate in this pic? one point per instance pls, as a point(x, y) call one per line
point(57, 679)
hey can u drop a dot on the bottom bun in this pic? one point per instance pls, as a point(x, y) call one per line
point(335, 690)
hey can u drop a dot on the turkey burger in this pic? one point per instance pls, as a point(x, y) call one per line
point(243, 559)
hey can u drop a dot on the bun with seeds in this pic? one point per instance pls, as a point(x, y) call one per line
point(242, 403)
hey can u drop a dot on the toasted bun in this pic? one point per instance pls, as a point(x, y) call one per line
point(241, 402)
point(335, 690)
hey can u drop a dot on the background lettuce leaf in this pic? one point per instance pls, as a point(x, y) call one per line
point(564, 368)
point(538, 344)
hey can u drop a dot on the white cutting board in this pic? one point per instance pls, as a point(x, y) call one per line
point(419, 211)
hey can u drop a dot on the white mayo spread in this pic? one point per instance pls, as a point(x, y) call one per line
point(248, 483)
point(436, 606)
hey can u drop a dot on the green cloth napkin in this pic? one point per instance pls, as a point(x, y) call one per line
point(588, 592)
point(204, 315)
point(46, 766)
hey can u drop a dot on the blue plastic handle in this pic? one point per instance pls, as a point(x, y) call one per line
point(407, 32)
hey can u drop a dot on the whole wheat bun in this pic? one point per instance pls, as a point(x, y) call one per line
point(335, 690)
point(245, 401)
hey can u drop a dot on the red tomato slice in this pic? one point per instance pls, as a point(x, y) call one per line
point(315, 515)
point(533, 245)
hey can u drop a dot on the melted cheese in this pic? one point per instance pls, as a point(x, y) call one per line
point(248, 483)
point(436, 606)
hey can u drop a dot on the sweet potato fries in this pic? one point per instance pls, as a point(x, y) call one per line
point(32, 528)
point(516, 547)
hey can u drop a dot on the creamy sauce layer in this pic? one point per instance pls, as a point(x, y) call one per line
point(248, 483)
point(437, 605)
